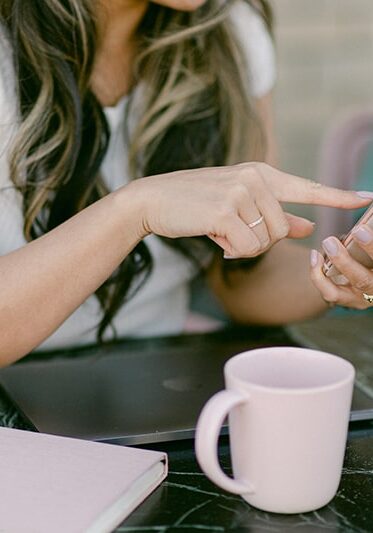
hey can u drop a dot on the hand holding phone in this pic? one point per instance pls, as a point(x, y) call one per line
point(353, 249)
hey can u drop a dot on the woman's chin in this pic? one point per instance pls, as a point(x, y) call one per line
point(181, 5)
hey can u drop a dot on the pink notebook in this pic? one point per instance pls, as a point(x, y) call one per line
point(64, 485)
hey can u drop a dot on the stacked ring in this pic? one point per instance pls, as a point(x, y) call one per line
point(368, 297)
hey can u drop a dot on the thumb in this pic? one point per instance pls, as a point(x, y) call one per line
point(299, 227)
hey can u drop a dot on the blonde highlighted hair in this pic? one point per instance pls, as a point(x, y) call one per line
point(194, 95)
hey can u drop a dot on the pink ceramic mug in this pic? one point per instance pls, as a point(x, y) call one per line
point(288, 420)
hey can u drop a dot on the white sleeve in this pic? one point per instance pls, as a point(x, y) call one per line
point(11, 216)
point(257, 47)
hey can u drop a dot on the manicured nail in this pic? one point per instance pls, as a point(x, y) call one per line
point(314, 258)
point(363, 235)
point(365, 194)
point(330, 246)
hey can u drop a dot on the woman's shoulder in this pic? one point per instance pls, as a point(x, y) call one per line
point(257, 46)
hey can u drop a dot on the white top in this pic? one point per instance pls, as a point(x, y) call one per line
point(161, 306)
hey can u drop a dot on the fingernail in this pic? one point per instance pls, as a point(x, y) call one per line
point(330, 246)
point(226, 256)
point(365, 194)
point(313, 258)
point(363, 235)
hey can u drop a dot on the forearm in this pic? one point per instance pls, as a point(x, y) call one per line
point(276, 291)
point(43, 282)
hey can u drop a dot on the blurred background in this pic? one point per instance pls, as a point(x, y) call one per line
point(325, 67)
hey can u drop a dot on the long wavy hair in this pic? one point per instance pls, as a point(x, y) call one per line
point(186, 63)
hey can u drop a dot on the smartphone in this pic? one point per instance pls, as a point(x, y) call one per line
point(353, 249)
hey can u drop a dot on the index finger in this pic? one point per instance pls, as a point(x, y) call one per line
point(290, 188)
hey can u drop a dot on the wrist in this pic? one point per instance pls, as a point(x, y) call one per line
point(132, 202)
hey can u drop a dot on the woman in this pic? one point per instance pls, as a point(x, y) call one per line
point(66, 189)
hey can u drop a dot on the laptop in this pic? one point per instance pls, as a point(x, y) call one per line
point(135, 391)
point(349, 335)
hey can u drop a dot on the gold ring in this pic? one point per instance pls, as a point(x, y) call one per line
point(368, 297)
point(256, 222)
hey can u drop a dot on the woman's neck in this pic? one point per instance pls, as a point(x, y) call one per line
point(118, 21)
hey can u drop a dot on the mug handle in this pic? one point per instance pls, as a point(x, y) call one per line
point(206, 441)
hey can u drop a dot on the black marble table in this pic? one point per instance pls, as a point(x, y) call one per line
point(188, 501)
